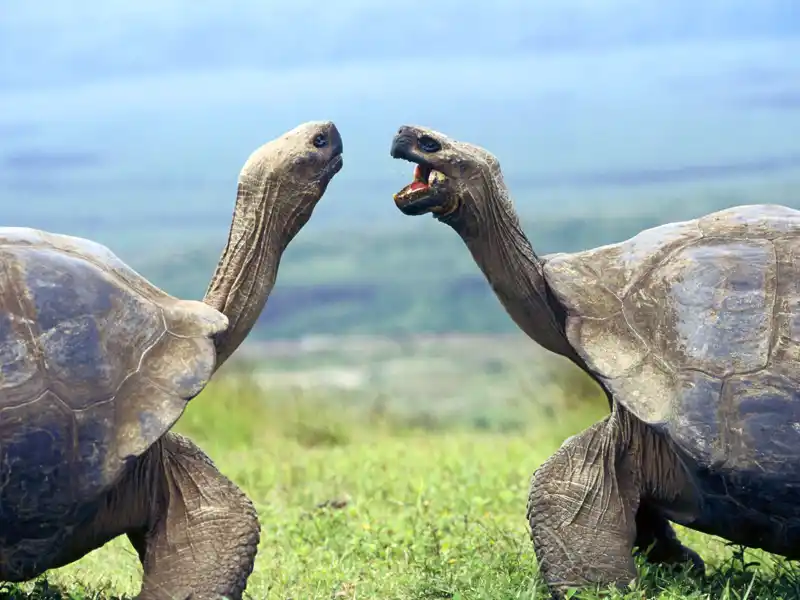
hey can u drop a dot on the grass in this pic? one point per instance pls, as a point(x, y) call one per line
point(362, 504)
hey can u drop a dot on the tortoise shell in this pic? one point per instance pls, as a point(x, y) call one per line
point(96, 364)
point(695, 328)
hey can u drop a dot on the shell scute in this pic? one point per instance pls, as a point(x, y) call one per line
point(704, 341)
point(91, 374)
point(38, 457)
point(709, 307)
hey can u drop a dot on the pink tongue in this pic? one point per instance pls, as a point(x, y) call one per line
point(417, 185)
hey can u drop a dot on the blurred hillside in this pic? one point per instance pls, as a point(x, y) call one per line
point(136, 129)
point(415, 278)
point(129, 124)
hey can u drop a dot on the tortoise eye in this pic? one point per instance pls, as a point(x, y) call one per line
point(427, 144)
point(320, 140)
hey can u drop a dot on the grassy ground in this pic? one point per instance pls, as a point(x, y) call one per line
point(358, 505)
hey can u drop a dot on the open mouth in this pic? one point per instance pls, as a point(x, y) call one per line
point(424, 193)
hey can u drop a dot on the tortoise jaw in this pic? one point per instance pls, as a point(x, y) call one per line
point(429, 189)
point(424, 194)
point(334, 165)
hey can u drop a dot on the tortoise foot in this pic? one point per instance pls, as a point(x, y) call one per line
point(674, 554)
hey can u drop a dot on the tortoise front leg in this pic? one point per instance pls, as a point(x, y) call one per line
point(582, 513)
point(202, 533)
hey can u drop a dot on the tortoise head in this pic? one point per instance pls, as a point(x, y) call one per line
point(293, 171)
point(448, 175)
point(279, 187)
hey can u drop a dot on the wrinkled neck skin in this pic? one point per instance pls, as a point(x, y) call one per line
point(263, 225)
point(489, 226)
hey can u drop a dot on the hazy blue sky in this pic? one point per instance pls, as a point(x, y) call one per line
point(49, 43)
point(111, 105)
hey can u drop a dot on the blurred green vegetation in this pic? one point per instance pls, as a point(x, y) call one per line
point(362, 500)
point(393, 460)
point(416, 277)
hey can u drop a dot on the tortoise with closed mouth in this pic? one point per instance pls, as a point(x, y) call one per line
point(97, 364)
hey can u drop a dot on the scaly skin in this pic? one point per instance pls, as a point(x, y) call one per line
point(195, 531)
point(473, 200)
point(586, 506)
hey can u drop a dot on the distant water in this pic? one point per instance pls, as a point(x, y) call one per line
point(126, 156)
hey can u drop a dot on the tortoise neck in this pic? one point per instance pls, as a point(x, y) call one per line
point(490, 228)
point(248, 268)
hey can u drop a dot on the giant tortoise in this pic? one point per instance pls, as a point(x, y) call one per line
point(693, 331)
point(96, 365)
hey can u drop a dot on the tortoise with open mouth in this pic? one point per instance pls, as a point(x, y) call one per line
point(693, 331)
